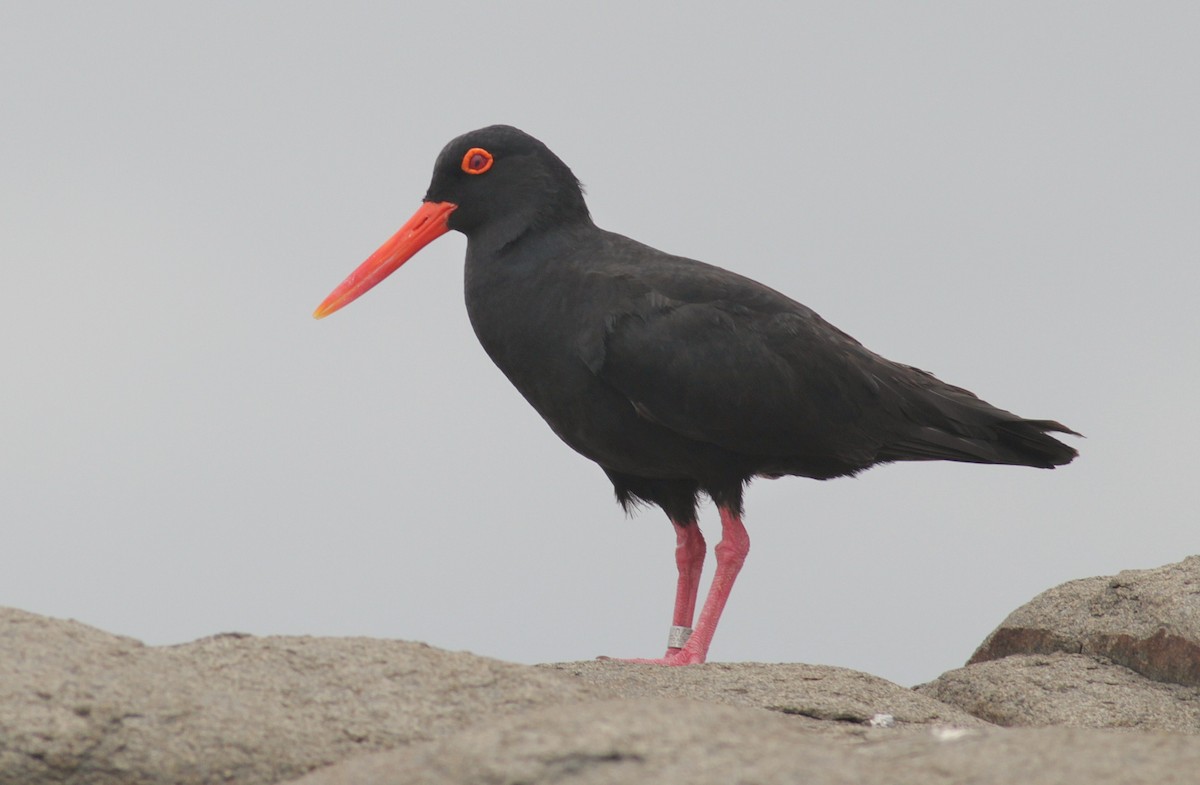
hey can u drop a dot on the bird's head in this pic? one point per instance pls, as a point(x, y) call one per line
point(493, 185)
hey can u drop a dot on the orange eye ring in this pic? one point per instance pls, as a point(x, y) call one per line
point(477, 161)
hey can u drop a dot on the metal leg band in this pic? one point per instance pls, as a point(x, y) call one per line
point(678, 636)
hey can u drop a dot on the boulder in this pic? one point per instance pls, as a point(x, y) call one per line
point(1145, 620)
point(78, 705)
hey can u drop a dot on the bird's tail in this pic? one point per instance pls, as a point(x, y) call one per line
point(958, 426)
point(1029, 440)
point(1019, 443)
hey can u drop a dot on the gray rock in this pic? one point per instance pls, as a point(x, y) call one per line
point(831, 698)
point(1146, 620)
point(1067, 689)
point(78, 705)
point(672, 742)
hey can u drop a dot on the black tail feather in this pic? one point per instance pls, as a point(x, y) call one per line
point(981, 433)
point(1029, 439)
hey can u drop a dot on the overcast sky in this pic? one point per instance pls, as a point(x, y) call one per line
point(1005, 194)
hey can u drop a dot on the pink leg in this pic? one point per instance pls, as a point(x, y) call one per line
point(689, 558)
point(731, 554)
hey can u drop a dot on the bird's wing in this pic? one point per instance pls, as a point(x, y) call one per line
point(753, 373)
point(722, 359)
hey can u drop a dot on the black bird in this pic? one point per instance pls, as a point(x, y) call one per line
point(678, 378)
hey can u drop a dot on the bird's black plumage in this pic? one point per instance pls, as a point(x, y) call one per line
point(678, 377)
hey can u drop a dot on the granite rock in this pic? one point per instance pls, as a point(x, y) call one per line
point(78, 705)
point(681, 742)
point(829, 698)
point(1145, 620)
point(1073, 690)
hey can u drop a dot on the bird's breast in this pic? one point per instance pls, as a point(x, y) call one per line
point(534, 323)
point(528, 319)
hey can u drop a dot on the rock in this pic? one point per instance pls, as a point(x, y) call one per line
point(1146, 620)
point(831, 698)
point(78, 705)
point(672, 742)
point(1067, 689)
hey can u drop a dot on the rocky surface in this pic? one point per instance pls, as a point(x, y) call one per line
point(824, 698)
point(1067, 689)
point(1146, 620)
point(1107, 667)
point(78, 705)
point(676, 741)
point(1109, 652)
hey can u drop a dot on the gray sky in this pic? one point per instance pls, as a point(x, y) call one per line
point(1007, 195)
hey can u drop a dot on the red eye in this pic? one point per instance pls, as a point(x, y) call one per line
point(477, 161)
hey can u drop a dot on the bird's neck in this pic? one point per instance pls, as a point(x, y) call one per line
point(525, 237)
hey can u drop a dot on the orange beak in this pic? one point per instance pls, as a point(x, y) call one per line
point(428, 223)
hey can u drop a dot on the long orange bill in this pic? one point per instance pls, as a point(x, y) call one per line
point(427, 224)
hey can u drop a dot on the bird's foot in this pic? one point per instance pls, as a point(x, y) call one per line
point(672, 657)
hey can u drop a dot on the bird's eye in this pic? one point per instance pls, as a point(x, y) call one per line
point(477, 161)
